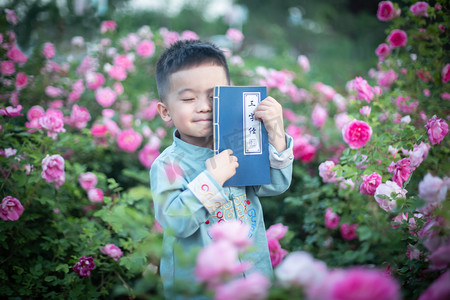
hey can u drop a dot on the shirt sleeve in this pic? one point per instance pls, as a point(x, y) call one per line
point(182, 206)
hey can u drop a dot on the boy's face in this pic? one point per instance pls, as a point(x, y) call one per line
point(189, 102)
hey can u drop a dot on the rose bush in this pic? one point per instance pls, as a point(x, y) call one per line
point(369, 191)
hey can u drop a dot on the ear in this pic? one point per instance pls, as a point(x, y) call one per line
point(163, 111)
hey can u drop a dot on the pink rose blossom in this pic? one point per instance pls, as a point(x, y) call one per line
point(303, 62)
point(99, 130)
point(112, 251)
point(87, 180)
point(445, 73)
point(105, 96)
point(234, 232)
point(217, 262)
point(16, 55)
point(48, 51)
point(319, 116)
point(7, 152)
point(7, 68)
point(419, 9)
point(382, 51)
point(252, 287)
point(432, 189)
point(79, 117)
point(11, 17)
point(129, 140)
point(386, 11)
point(84, 266)
point(427, 93)
point(326, 172)
point(400, 171)
point(11, 111)
point(341, 119)
point(356, 134)
point(365, 110)
point(348, 231)
point(387, 78)
point(437, 129)
point(235, 35)
point(95, 195)
point(327, 91)
point(388, 202)
point(405, 105)
point(367, 284)
point(117, 73)
point(10, 209)
point(145, 49)
point(21, 80)
point(108, 26)
point(33, 116)
point(397, 38)
point(124, 61)
point(276, 231)
point(94, 80)
point(189, 35)
point(331, 219)
point(276, 252)
point(303, 150)
point(418, 155)
point(53, 92)
point(412, 252)
point(440, 258)
point(370, 183)
point(53, 169)
point(53, 122)
point(363, 89)
point(147, 155)
point(112, 127)
point(439, 289)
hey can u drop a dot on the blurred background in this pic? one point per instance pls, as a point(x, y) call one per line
point(338, 36)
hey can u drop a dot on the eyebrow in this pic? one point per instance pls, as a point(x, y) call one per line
point(192, 90)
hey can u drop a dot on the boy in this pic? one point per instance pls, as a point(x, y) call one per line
point(186, 179)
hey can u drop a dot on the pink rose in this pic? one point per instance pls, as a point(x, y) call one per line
point(365, 110)
point(33, 116)
point(363, 89)
point(95, 195)
point(303, 62)
point(235, 35)
point(356, 134)
point(387, 190)
point(11, 111)
point(254, 286)
point(445, 73)
point(400, 171)
point(233, 231)
point(189, 35)
point(7, 68)
point(418, 155)
point(440, 258)
point(94, 80)
point(145, 49)
point(439, 289)
point(217, 261)
point(276, 231)
point(387, 78)
point(368, 284)
point(117, 73)
point(108, 26)
point(21, 80)
point(370, 183)
point(112, 251)
point(53, 92)
point(147, 155)
point(129, 140)
point(124, 61)
point(386, 11)
point(49, 50)
point(11, 17)
point(303, 150)
point(53, 169)
point(11, 209)
point(405, 105)
point(276, 252)
point(432, 189)
point(397, 38)
point(319, 116)
point(437, 129)
point(16, 55)
point(326, 172)
point(327, 91)
point(87, 180)
point(382, 51)
point(53, 122)
point(413, 252)
point(99, 130)
point(419, 9)
point(348, 231)
point(170, 37)
point(105, 96)
point(331, 219)
point(84, 266)
point(79, 117)
point(340, 120)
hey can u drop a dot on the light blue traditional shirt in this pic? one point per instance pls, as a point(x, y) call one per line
point(188, 199)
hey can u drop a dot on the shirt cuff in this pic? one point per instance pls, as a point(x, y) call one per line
point(206, 190)
point(285, 158)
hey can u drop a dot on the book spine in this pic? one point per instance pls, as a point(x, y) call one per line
point(216, 129)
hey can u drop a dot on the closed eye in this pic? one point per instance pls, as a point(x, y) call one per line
point(187, 99)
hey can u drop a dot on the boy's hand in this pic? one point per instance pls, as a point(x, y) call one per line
point(270, 112)
point(222, 166)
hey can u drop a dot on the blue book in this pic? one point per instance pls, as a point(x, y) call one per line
point(235, 128)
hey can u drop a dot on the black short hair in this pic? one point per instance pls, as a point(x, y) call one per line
point(185, 54)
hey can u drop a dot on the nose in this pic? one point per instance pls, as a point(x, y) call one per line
point(204, 104)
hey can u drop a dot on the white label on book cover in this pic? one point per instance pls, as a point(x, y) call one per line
point(252, 127)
